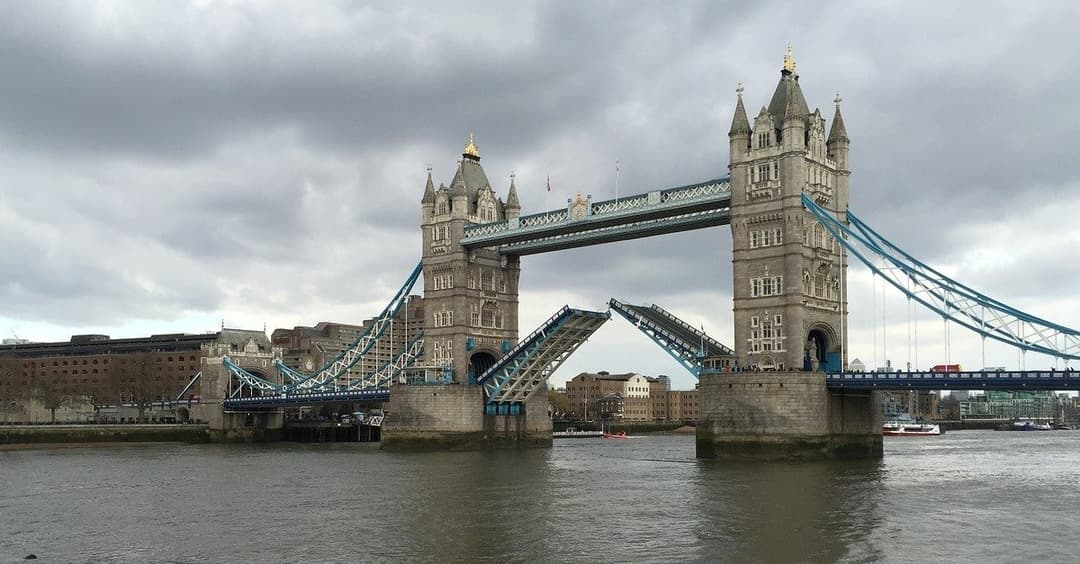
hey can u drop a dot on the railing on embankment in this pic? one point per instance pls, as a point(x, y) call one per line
point(330, 432)
point(96, 433)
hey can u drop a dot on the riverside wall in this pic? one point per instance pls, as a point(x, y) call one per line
point(451, 417)
point(90, 433)
point(784, 415)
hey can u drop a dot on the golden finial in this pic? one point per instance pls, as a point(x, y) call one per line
point(789, 61)
point(471, 149)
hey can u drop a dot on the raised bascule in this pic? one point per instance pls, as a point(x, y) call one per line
point(782, 391)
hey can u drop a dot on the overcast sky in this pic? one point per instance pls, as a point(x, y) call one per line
point(164, 167)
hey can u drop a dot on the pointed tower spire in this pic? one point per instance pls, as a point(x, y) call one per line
point(838, 132)
point(740, 123)
point(429, 190)
point(512, 197)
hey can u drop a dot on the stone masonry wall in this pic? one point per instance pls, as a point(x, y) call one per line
point(784, 415)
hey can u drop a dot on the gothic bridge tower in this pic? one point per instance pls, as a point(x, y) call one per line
point(470, 297)
point(790, 300)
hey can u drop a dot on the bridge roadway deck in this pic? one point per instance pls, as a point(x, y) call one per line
point(1005, 380)
point(690, 337)
point(269, 401)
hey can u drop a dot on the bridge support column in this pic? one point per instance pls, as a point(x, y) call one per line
point(451, 417)
point(784, 415)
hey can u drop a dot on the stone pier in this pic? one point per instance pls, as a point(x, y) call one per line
point(784, 415)
point(451, 417)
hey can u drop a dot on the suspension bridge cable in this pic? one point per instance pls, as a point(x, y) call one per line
point(873, 316)
point(947, 297)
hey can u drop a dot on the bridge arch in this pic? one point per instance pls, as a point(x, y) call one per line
point(480, 361)
point(822, 347)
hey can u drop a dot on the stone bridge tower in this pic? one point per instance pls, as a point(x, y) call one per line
point(790, 299)
point(470, 297)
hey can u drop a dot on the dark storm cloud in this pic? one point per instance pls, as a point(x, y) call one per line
point(206, 153)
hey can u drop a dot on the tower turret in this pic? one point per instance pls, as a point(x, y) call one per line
point(789, 303)
point(513, 206)
point(427, 203)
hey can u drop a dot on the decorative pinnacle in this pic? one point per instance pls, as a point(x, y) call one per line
point(512, 176)
point(837, 100)
point(789, 61)
point(739, 89)
point(471, 149)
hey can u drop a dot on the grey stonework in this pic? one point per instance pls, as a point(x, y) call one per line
point(479, 287)
point(789, 147)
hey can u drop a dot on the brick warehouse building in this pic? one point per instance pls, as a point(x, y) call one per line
point(104, 371)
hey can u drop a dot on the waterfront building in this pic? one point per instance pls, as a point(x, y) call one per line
point(1004, 406)
point(658, 389)
point(683, 406)
point(643, 399)
point(106, 371)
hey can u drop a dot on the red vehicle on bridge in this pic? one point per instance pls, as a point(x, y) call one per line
point(945, 368)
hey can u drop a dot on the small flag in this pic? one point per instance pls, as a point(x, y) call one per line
point(549, 183)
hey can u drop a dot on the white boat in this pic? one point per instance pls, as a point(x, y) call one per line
point(904, 426)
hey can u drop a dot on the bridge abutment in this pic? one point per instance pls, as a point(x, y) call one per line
point(451, 417)
point(784, 415)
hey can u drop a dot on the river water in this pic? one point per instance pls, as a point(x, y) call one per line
point(965, 496)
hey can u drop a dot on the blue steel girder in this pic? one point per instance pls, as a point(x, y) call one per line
point(305, 398)
point(695, 206)
point(326, 376)
point(191, 383)
point(249, 379)
point(984, 380)
point(383, 378)
point(943, 295)
point(525, 368)
point(684, 350)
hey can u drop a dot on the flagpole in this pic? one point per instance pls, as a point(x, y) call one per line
point(547, 195)
point(616, 181)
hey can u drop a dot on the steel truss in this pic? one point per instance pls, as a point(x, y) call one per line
point(525, 368)
point(327, 377)
point(943, 295)
point(688, 345)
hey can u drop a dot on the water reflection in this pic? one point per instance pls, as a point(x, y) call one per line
point(787, 512)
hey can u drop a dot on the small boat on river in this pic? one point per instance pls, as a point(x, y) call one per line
point(619, 435)
point(905, 426)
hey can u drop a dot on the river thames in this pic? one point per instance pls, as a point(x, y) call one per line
point(965, 496)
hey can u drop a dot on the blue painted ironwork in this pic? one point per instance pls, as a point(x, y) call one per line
point(695, 206)
point(194, 379)
point(326, 376)
point(690, 347)
point(304, 398)
point(394, 369)
point(515, 377)
point(250, 379)
point(1001, 380)
point(947, 297)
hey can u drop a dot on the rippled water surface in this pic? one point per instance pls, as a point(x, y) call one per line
point(965, 496)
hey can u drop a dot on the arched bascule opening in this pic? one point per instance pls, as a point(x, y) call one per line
point(821, 350)
point(479, 363)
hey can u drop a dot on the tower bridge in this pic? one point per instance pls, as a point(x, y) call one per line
point(780, 390)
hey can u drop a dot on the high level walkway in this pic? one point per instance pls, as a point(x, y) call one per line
point(583, 222)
